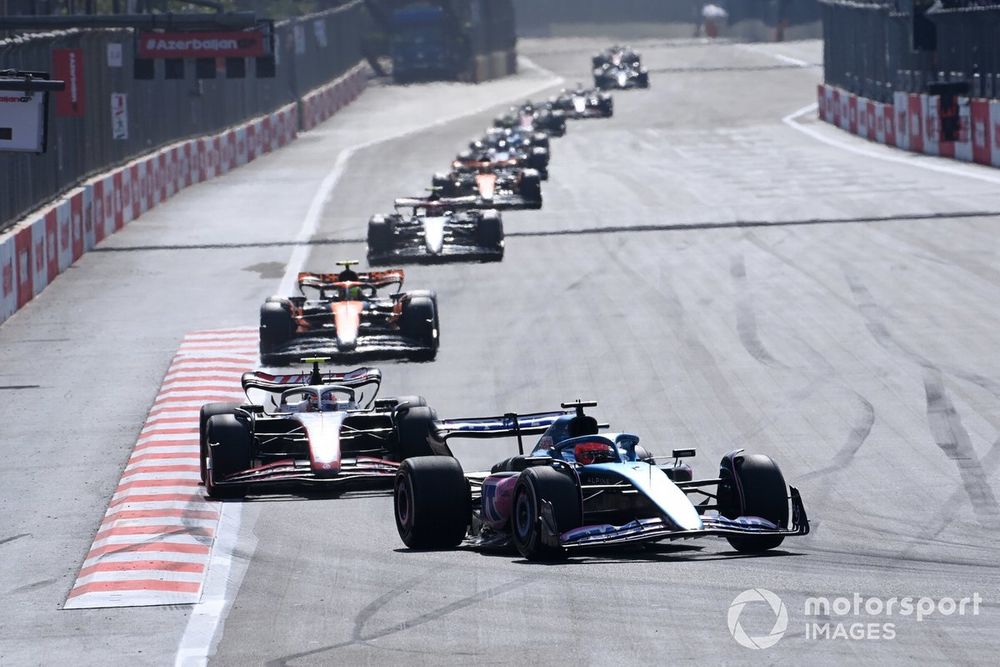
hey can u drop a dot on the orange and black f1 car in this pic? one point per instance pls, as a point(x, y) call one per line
point(346, 316)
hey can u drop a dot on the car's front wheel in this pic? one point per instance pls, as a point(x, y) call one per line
point(535, 487)
point(752, 485)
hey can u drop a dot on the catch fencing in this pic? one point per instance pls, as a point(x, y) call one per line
point(875, 48)
point(310, 51)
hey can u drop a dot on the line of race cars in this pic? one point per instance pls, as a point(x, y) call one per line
point(578, 486)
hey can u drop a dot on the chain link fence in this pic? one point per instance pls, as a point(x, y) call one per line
point(873, 48)
point(309, 52)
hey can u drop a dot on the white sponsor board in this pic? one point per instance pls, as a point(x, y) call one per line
point(119, 115)
point(22, 121)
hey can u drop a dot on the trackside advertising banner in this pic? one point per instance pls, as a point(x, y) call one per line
point(236, 44)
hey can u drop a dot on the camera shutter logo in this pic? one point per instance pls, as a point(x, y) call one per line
point(777, 608)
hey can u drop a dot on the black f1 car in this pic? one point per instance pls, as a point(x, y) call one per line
point(503, 155)
point(348, 317)
point(607, 77)
point(317, 428)
point(529, 118)
point(581, 103)
point(436, 229)
point(617, 55)
point(488, 186)
point(580, 488)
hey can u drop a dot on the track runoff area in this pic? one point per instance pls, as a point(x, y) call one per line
point(722, 281)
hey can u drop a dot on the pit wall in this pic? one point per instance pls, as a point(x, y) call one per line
point(912, 122)
point(46, 243)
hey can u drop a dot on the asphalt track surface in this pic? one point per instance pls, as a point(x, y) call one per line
point(713, 277)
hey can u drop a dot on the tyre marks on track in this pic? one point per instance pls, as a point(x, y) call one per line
point(950, 436)
point(154, 543)
point(953, 439)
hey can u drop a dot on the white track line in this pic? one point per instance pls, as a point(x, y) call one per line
point(223, 581)
point(854, 144)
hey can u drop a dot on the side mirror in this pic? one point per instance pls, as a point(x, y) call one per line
point(683, 453)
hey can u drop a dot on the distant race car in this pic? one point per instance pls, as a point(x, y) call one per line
point(436, 229)
point(607, 77)
point(488, 186)
point(318, 428)
point(581, 103)
point(579, 488)
point(347, 316)
point(529, 118)
point(503, 154)
point(617, 55)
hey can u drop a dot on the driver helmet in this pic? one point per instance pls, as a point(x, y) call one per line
point(353, 293)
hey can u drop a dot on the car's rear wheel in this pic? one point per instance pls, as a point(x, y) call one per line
point(752, 485)
point(275, 328)
point(415, 429)
point(431, 502)
point(208, 411)
point(419, 322)
point(230, 446)
point(380, 234)
point(489, 232)
point(536, 486)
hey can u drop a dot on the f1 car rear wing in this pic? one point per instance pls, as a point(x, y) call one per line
point(331, 280)
point(355, 379)
point(440, 203)
point(510, 424)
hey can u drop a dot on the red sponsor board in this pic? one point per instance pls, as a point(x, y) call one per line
point(52, 240)
point(915, 108)
point(76, 222)
point(67, 65)
point(852, 113)
point(234, 44)
point(99, 213)
point(980, 112)
point(22, 248)
point(890, 124)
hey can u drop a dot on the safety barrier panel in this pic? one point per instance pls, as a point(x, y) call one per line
point(912, 122)
point(39, 248)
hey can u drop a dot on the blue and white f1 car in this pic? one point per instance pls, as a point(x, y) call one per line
point(581, 488)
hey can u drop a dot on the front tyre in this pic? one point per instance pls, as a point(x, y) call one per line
point(431, 502)
point(535, 487)
point(208, 411)
point(752, 485)
point(230, 447)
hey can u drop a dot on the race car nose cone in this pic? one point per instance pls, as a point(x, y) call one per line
point(434, 234)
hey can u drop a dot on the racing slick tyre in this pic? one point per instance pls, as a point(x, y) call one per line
point(229, 451)
point(540, 140)
point(419, 321)
point(531, 188)
point(208, 411)
point(644, 79)
point(275, 327)
point(535, 486)
point(752, 485)
point(539, 161)
point(489, 232)
point(432, 503)
point(379, 236)
point(415, 428)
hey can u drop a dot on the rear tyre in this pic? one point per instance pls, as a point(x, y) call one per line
point(415, 428)
point(431, 502)
point(229, 451)
point(489, 232)
point(644, 80)
point(275, 328)
point(419, 322)
point(531, 188)
point(379, 236)
point(444, 184)
point(534, 487)
point(752, 485)
point(208, 411)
